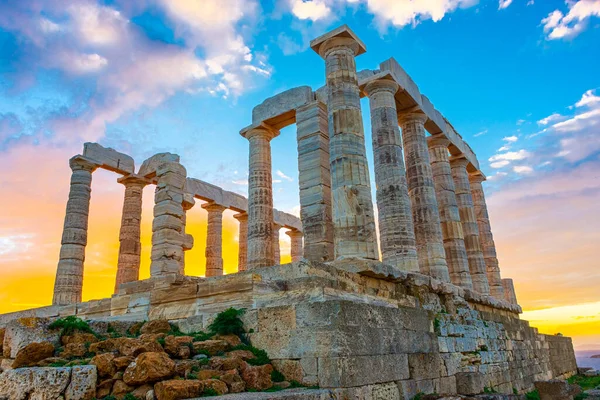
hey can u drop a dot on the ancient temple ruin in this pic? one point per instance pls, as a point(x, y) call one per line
point(432, 315)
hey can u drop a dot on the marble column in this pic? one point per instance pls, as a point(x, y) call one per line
point(396, 229)
point(168, 227)
point(214, 239)
point(188, 203)
point(242, 241)
point(469, 224)
point(486, 238)
point(315, 181)
point(421, 190)
point(260, 196)
point(454, 242)
point(509, 291)
point(276, 246)
point(130, 247)
point(69, 273)
point(353, 217)
point(296, 244)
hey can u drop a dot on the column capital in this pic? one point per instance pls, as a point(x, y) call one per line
point(379, 85)
point(213, 207)
point(242, 217)
point(188, 201)
point(459, 161)
point(339, 37)
point(312, 104)
point(410, 116)
point(277, 226)
point(437, 141)
point(294, 233)
point(261, 130)
point(477, 177)
point(133, 180)
point(80, 162)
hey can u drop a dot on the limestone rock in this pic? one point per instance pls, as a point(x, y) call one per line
point(178, 389)
point(120, 389)
point(178, 346)
point(232, 339)
point(34, 383)
point(79, 338)
point(130, 347)
point(2, 331)
point(123, 362)
point(23, 331)
point(234, 381)
point(227, 363)
point(216, 385)
point(83, 383)
point(51, 360)
point(33, 353)
point(258, 377)
point(74, 350)
point(149, 367)
point(142, 391)
point(104, 388)
point(105, 364)
point(469, 383)
point(557, 389)
point(243, 354)
point(213, 347)
point(156, 326)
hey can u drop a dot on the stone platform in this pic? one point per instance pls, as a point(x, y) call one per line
point(359, 328)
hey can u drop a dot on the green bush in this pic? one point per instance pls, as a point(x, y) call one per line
point(260, 356)
point(70, 325)
point(535, 395)
point(277, 376)
point(586, 382)
point(209, 392)
point(228, 322)
point(129, 396)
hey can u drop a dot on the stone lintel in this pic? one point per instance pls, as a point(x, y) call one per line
point(109, 159)
point(279, 111)
point(134, 179)
point(340, 32)
point(260, 127)
point(477, 176)
point(83, 162)
point(459, 160)
point(294, 233)
point(150, 165)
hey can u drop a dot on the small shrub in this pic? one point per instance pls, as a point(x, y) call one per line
point(161, 341)
point(109, 397)
point(586, 382)
point(192, 376)
point(58, 364)
point(200, 336)
point(489, 390)
point(515, 391)
point(436, 326)
point(209, 392)
point(70, 325)
point(418, 396)
point(483, 347)
point(277, 376)
point(228, 322)
point(129, 396)
point(581, 396)
point(558, 334)
point(534, 395)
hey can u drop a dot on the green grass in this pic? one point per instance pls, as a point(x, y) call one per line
point(209, 392)
point(489, 390)
point(70, 325)
point(228, 322)
point(277, 376)
point(586, 382)
point(260, 356)
point(534, 395)
point(129, 396)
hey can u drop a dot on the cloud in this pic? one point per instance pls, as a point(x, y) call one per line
point(589, 99)
point(310, 9)
point(510, 156)
point(550, 118)
point(510, 139)
point(504, 148)
point(284, 176)
point(480, 133)
point(567, 26)
point(504, 4)
point(522, 169)
point(499, 164)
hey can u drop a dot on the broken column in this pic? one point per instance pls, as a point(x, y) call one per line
point(353, 218)
point(486, 238)
point(296, 244)
point(396, 230)
point(315, 181)
point(242, 240)
point(508, 288)
point(69, 273)
point(276, 246)
point(421, 190)
point(454, 242)
point(168, 226)
point(214, 239)
point(260, 196)
point(469, 224)
point(130, 247)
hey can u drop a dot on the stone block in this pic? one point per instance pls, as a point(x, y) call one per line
point(109, 159)
point(470, 383)
point(557, 390)
point(150, 165)
point(362, 370)
point(426, 366)
point(280, 109)
point(83, 383)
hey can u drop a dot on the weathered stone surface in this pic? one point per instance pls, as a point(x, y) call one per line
point(83, 383)
point(279, 110)
point(214, 239)
point(258, 377)
point(34, 383)
point(120, 389)
point(149, 166)
point(216, 385)
point(149, 367)
point(469, 383)
point(556, 390)
point(108, 158)
point(211, 346)
point(22, 331)
point(123, 362)
point(156, 326)
point(178, 346)
point(234, 381)
point(32, 354)
point(178, 389)
point(362, 370)
point(105, 365)
point(242, 241)
point(78, 338)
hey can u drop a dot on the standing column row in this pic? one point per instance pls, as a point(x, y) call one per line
point(242, 241)
point(214, 239)
point(276, 247)
point(296, 244)
point(69, 274)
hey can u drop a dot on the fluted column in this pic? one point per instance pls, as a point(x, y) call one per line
point(188, 203)
point(242, 241)
point(486, 238)
point(296, 244)
point(396, 229)
point(130, 247)
point(315, 181)
point(509, 291)
point(353, 217)
point(69, 273)
point(421, 190)
point(260, 196)
point(214, 239)
point(276, 246)
point(469, 224)
point(454, 242)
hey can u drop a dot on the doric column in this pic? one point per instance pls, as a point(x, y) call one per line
point(396, 229)
point(315, 181)
point(188, 203)
point(276, 246)
point(509, 291)
point(454, 242)
point(353, 218)
point(421, 190)
point(469, 224)
point(69, 273)
point(130, 247)
point(214, 239)
point(242, 241)
point(168, 227)
point(486, 238)
point(260, 196)
point(296, 244)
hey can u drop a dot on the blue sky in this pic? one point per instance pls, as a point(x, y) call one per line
point(518, 79)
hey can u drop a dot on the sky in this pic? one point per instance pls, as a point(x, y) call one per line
point(518, 79)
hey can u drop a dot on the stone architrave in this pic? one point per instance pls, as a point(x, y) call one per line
point(242, 241)
point(214, 239)
point(469, 224)
point(130, 247)
point(260, 196)
point(421, 190)
point(168, 227)
point(353, 217)
point(315, 181)
point(486, 238)
point(508, 287)
point(276, 245)
point(396, 229)
point(454, 242)
point(296, 244)
point(69, 273)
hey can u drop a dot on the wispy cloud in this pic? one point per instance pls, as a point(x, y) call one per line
point(284, 176)
point(567, 26)
point(504, 4)
point(481, 133)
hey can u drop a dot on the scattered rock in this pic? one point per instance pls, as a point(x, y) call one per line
point(227, 363)
point(74, 350)
point(258, 377)
point(134, 347)
point(83, 383)
point(156, 326)
point(79, 338)
point(141, 392)
point(243, 354)
point(151, 337)
point(105, 364)
point(178, 389)
point(104, 388)
point(34, 383)
point(123, 362)
point(282, 385)
point(178, 346)
point(149, 367)
point(23, 331)
point(33, 353)
point(213, 347)
point(184, 367)
point(208, 374)
point(120, 389)
point(216, 385)
point(51, 360)
point(234, 381)
point(200, 357)
point(105, 346)
point(232, 339)
point(556, 389)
